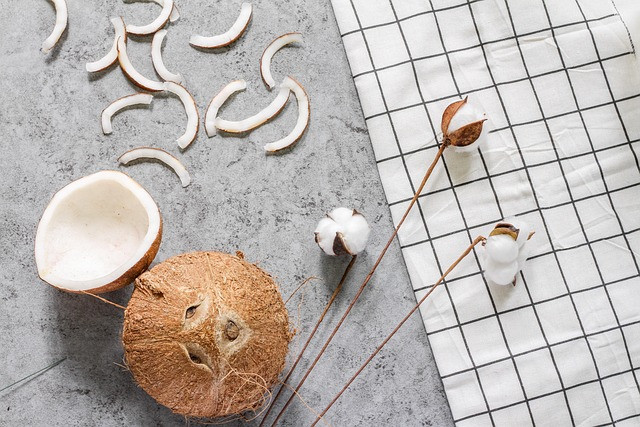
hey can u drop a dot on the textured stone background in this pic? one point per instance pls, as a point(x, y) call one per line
point(240, 199)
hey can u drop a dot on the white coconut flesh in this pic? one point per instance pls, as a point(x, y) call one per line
point(258, 119)
point(58, 29)
point(156, 24)
point(193, 119)
point(217, 102)
point(133, 74)
point(148, 153)
point(112, 56)
point(228, 37)
point(303, 117)
point(120, 104)
point(95, 230)
point(175, 13)
point(158, 63)
point(267, 55)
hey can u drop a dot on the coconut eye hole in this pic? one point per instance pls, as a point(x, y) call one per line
point(191, 311)
point(231, 330)
point(197, 354)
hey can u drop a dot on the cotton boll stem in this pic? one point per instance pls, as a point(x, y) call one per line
point(466, 252)
point(311, 335)
point(366, 280)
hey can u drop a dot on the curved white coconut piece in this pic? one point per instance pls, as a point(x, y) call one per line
point(58, 29)
point(258, 119)
point(267, 55)
point(228, 37)
point(218, 101)
point(160, 21)
point(133, 74)
point(158, 63)
point(304, 110)
point(119, 104)
point(112, 56)
point(160, 155)
point(193, 122)
point(97, 234)
point(175, 13)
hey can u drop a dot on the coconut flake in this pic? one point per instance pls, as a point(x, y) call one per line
point(158, 63)
point(343, 231)
point(119, 104)
point(131, 73)
point(58, 29)
point(190, 108)
point(112, 56)
point(258, 119)
point(216, 103)
point(160, 155)
point(303, 117)
point(228, 37)
point(175, 13)
point(267, 55)
point(156, 24)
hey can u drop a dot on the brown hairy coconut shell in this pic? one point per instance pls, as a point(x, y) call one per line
point(206, 334)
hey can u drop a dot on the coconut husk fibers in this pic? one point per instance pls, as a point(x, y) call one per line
point(206, 334)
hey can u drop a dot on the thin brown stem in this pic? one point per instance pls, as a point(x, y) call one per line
point(306, 344)
point(298, 288)
point(402, 322)
point(368, 278)
point(104, 300)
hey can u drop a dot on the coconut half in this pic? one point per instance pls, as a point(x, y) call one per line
point(218, 101)
point(60, 26)
point(160, 21)
point(206, 334)
point(267, 55)
point(112, 56)
point(258, 119)
point(193, 117)
point(133, 74)
point(158, 63)
point(228, 37)
point(97, 234)
point(119, 104)
point(148, 153)
point(304, 111)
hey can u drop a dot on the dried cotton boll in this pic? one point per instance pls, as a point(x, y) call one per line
point(343, 231)
point(506, 251)
point(463, 126)
point(206, 334)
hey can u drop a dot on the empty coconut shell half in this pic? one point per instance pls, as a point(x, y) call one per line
point(206, 334)
point(97, 234)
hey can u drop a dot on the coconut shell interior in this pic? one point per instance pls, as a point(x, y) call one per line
point(206, 334)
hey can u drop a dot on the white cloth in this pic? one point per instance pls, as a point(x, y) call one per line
point(563, 101)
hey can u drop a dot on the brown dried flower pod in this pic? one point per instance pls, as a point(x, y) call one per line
point(462, 124)
point(206, 334)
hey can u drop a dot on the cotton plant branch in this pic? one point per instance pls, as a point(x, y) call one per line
point(479, 239)
point(462, 126)
point(311, 335)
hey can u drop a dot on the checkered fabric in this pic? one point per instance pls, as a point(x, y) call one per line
point(560, 84)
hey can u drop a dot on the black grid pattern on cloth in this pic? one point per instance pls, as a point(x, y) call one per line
point(571, 239)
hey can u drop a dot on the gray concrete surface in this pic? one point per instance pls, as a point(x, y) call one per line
point(240, 199)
